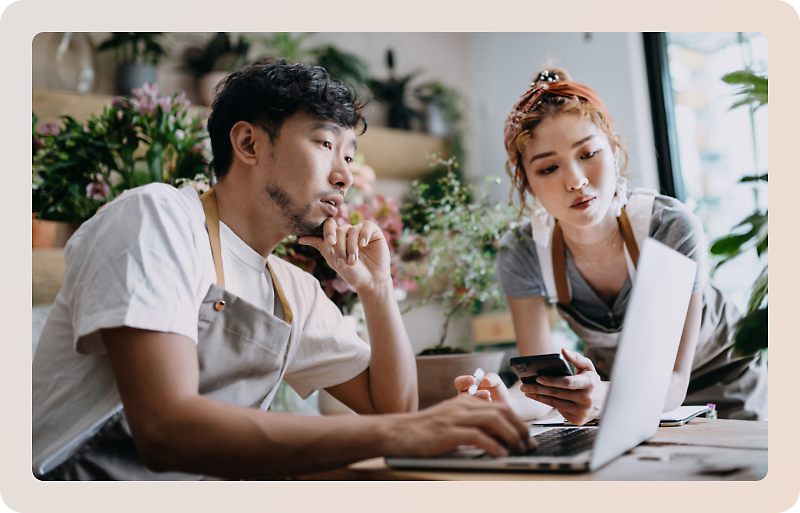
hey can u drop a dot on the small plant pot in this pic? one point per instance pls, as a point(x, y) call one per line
point(51, 234)
point(435, 123)
point(130, 76)
point(436, 373)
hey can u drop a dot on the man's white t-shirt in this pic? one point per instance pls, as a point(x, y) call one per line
point(144, 261)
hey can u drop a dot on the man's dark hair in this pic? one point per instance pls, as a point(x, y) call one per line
point(268, 92)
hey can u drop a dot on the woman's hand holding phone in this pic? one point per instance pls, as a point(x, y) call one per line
point(579, 398)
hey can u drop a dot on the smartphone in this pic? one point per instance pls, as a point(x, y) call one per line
point(528, 368)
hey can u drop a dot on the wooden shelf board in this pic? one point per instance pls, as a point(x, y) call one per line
point(391, 153)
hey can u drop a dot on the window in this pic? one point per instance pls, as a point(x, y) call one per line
point(713, 146)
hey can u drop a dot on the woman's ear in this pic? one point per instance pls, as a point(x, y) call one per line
point(243, 141)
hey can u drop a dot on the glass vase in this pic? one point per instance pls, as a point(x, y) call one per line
point(72, 62)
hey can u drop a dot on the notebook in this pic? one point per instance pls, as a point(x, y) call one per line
point(645, 357)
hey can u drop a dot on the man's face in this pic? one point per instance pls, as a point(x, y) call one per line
point(306, 171)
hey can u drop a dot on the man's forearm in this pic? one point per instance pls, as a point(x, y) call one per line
point(203, 436)
point(392, 368)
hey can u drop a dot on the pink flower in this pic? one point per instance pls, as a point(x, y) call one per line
point(165, 103)
point(336, 285)
point(98, 190)
point(150, 89)
point(50, 129)
point(180, 99)
point(198, 147)
point(303, 262)
point(119, 101)
point(363, 184)
point(38, 143)
point(180, 134)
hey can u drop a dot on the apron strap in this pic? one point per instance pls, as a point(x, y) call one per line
point(627, 236)
point(560, 266)
point(209, 201)
point(560, 262)
point(287, 310)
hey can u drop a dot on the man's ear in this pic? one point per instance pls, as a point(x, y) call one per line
point(243, 140)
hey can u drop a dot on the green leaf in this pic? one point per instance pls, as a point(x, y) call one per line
point(760, 289)
point(730, 244)
point(761, 247)
point(752, 332)
point(754, 178)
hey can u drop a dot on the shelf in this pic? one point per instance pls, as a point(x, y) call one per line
point(390, 152)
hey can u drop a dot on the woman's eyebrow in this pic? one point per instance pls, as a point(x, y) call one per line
point(550, 153)
point(583, 140)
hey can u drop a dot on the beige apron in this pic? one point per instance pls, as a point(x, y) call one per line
point(736, 385)
point(242, 352)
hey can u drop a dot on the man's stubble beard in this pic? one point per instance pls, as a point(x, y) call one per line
point(295, 218)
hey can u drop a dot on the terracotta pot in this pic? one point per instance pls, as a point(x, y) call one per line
point(206, 85)
point(51, 234)
point(436, 373)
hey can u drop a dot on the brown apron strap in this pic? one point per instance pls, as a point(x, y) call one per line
point(287, 310)
point(209, 201)
point(560, 262)
point(627, 236)
point(560, 267)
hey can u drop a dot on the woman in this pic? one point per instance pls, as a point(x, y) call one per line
point(564, 153)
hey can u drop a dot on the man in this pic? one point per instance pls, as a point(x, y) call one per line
point(175, 324)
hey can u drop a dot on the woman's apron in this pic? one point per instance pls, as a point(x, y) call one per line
point(736, 385)
point(242, 352)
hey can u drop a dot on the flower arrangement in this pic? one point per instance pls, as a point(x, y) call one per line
point(136, 140)
point(452, 257)
point(361, 205)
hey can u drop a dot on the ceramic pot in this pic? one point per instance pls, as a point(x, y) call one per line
point(51, 234)
point(435, 123)
point(206, 85)
point(130, 76)
point(436, 373)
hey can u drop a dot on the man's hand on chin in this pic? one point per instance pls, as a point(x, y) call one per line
point(359, 253)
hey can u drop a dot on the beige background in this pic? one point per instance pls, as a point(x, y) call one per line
point(22, 20)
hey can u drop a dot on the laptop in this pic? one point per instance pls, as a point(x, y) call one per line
point(639, 380)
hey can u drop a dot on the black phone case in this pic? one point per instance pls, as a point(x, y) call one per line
point(528, 368)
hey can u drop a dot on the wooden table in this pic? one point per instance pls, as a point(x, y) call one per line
point(702, 450)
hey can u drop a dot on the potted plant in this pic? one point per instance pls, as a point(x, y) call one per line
point(453, 263)
point(77, 168)
point(752, 330)
point(137, 55)
point(342, 65)
point(216, 59)
point(392, 92)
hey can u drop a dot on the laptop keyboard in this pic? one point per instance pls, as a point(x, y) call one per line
point(563, 442)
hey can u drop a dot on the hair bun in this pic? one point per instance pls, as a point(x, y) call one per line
point(551, 74)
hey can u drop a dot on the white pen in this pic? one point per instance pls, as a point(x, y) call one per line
point(479, 374)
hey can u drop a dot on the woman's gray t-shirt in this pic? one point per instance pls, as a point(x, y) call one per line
point(671, 223)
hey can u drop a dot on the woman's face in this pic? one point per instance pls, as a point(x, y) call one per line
point(571, 168)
